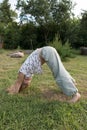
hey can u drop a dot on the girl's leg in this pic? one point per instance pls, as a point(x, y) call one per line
point(15, 88)
point(61, 75)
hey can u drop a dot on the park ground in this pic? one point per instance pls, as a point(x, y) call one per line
point(42, 106)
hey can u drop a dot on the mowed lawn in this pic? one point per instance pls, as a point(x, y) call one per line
point(42, 106)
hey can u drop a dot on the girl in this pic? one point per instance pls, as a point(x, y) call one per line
point(33, 65)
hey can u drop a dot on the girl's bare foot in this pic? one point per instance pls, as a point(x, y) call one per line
point(13, 89)
point(75, 98)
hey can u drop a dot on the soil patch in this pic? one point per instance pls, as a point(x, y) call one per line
point(50, 95)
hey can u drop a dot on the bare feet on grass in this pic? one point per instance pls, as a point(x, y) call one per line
point(12, 90)
point(75, 98)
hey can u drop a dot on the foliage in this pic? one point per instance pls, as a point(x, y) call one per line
point(28, 36)
point(46, 33)
point(1, 32)
point(12, 36)
point(6, 14)
point(2, 29)
point(44, 11)
point(63, 49)
point(39, 10)
point(61, 13)
point(39, 22)
point(73, 30)
point(83, 29)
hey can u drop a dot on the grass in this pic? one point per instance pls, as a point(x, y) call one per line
point(42, 106)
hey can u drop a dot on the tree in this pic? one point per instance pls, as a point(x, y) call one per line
point(49, 15)
point(46, 33)
point(62, 12)
point(6, 14)
point(38, 10)
point(72, 33)
point(12, 36)
point(83, 29)
point(28, 36)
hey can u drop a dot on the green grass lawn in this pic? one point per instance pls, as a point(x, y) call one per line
point(42, 106)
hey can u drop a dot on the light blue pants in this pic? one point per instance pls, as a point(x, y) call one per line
point(61, 76)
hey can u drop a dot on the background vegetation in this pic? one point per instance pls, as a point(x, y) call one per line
point(39, 22)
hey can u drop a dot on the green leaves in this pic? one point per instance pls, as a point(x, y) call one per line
point(6, 14)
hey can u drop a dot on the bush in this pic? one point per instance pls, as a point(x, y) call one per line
point(64, 50)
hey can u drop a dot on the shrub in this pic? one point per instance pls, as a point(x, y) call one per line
point(64, 50)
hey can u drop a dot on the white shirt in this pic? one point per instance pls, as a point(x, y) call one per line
point(32, 64)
